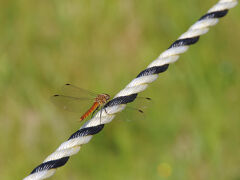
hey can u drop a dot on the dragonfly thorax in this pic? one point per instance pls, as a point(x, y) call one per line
point(102, 98)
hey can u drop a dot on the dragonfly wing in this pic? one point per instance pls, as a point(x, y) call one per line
point(69, 89)
point(141, 104)
point(72, 104)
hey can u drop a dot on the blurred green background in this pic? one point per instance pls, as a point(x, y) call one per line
point(190, 130)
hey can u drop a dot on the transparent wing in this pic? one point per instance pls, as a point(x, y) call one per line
point(72, 104)
point(137, 110)
point(74, 91)
point(141, 104)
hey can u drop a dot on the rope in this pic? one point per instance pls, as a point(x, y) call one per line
point(130, 92)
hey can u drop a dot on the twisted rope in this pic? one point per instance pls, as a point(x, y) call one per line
point(130, 92)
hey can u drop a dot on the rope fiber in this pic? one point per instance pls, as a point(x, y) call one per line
point(129, 93)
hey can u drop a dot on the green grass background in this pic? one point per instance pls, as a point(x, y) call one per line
point(190, 131)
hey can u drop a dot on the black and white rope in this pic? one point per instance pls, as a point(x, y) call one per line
point(130, 92)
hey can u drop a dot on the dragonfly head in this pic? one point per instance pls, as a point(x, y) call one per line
point(107, 96)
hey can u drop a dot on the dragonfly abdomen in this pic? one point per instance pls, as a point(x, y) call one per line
point(86, 114)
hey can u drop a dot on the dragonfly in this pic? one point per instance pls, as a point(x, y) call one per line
point(74, 99)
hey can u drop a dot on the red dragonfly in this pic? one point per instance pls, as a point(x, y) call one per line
point(78, 99)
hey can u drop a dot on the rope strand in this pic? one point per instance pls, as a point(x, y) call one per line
point(129, 93)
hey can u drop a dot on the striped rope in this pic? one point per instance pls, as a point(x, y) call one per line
point(130, 92)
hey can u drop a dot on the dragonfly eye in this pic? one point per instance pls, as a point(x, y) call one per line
point(107, 97)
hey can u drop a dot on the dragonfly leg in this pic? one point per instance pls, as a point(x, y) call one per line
point(106, 111)
point(95, 111)
point(101, 116)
